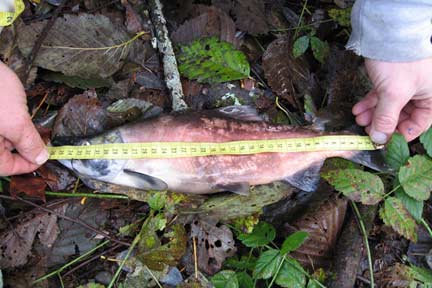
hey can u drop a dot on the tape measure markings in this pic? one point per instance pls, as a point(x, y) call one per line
point(197, 149)
point(7, 18)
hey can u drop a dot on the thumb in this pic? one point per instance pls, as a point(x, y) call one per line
point(386, 117)
point(29, 144)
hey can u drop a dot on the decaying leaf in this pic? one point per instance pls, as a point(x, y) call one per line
point(213, 22)
point(82, 32)
point(394, 214)
point(249, 14)
point(57, 177)
point(416, 177)
point(28, 184)
point(323, 225)
point(288, 77)
point(83, 115)
point(212, 61)
point(16, 243)
point(214, 245)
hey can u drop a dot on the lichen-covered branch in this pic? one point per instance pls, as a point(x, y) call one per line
point(172, 75)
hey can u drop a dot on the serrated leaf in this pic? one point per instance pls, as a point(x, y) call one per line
point(300, 46)
point(394, 214)
point(157, 201)
point(416, 177)
point(210, 60)
point(414, 207)
point(293, 241)
point(341, 16)
point(397, 153)
point(262, 234)
point(357, 185)
point(426, 140)
point(320, 49)
point(225, 279)
point(244, 280)
point(291, 275)
point(245, 263)
point(267, 264)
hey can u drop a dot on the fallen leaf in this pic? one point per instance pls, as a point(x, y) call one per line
point(28, 184)
point(83, 32)
point(323, 225)
point(16, 243)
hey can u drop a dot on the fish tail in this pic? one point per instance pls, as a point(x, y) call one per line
point(371, 159)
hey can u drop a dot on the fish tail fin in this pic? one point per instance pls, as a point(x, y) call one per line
point(371, 159)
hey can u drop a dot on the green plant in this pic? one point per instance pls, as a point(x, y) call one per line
point(272, 264)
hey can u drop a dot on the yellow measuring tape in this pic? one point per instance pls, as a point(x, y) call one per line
point(197, 149)
point(7, 18)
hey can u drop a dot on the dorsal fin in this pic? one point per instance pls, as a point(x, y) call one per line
point(244, 113)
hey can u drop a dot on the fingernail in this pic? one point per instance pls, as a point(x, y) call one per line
point(378, 137)
point(42, 157)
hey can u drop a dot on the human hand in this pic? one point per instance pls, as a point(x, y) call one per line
point(16, 129)
point(401, 99)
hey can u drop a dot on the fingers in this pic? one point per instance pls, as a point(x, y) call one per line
point(386, 116)
point(28, 142)
point(417, 121)
point(13, 164)
point(368, 102)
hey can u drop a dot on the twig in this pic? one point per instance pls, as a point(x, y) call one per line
point(365, 236)
point(153, 276)
point(40, 40)
point(172, 75)
point(76, 221)
point(88, 195)
point(195, 257)
point(426, 225)
point(39, 105)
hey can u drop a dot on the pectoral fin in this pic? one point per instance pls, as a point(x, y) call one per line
point(241, 188)
point(306, 180)
point(144, 181)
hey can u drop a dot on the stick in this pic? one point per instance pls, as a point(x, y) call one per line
point(172, 75)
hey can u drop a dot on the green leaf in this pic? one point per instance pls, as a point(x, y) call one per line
point(225, 279)
point(291, 275)
point(320, 49)
point(244, 280)
point(416, 177)
point(426, 140)
point(341, 16)
point(1, 186)
point(414, 207)
point(394, 214)
point(245, 263)
point(300, 46)
point(210, 60)
point(357, 185)
point(157, 201)
point(420, 274)
point(294, 241)
point(262, 234)
point(397, 153)
point(267, 264)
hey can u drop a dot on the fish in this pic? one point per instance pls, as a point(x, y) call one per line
point(211, 174)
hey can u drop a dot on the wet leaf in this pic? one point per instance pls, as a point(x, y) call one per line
point(77, 82)
point(416, 177)
point(29, 185)
point(157, 201)
point(80, 31)
point(320, 49)
point(262, 234)
point(414, 207)
point(300, 46)
point(357, 185)
point(394, 214)
point(212, 61)
point(213, 22)
point(214, 245)
point(291, 274)
point(426, 140)
point(149, 238)
point(244, 280)
point(57, 177)
point(225, 279)
point(267, 264)
point(323, 224)
point(293, 241)
point(397, 153)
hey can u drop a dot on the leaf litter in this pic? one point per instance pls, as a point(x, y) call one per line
point(97, 69)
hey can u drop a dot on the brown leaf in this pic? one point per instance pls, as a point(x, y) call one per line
point(83, 115)
point(28, 184)
point(323, 225)
point(16, 244)
point(249, 14)
point(57, 177)
point(212, 22)
point(288, 77)
point(214, 245)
